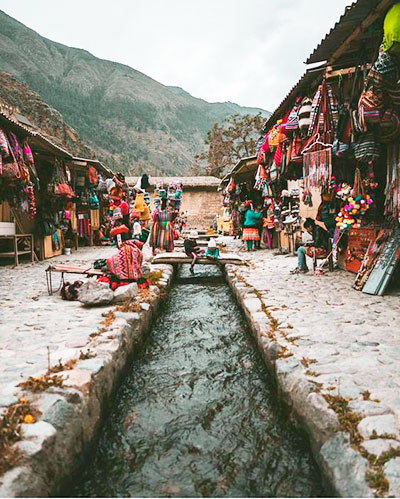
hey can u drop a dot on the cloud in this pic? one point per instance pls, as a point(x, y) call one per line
point(250, 52)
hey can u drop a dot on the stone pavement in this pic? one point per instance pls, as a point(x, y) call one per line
point(93, 346)
point(334, 351)
point(31, 320)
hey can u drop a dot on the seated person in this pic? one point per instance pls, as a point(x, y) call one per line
point(191, 248)
point(319, 245)
point(126, 265)
point(212, 251)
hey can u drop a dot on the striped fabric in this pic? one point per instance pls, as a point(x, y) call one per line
point(250, 234)
point(162, 234)
point(127, 263)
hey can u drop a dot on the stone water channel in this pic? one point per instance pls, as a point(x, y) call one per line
point(196, 414)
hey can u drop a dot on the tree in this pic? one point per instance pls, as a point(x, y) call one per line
point(230, 141)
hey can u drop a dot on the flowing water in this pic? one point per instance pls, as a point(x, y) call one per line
point(196, 415)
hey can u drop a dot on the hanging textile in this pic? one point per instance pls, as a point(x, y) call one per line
point(392, 189)
point(84, 229)
point(317, 166)
point(317, 152)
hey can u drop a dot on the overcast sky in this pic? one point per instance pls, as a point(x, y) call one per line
point(247, 51)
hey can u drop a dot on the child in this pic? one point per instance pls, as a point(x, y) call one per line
point(191, 249)
point(212, 251)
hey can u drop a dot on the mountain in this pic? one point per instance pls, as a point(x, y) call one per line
point(134, 123)
point(46, 119)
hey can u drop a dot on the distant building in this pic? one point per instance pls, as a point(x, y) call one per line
point(201, 201)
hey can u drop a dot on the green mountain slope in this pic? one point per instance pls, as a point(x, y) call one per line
point(132, 122)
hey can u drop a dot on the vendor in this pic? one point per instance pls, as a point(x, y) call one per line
point(319, 245)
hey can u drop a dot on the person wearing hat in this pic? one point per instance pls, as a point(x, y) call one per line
point(191, 248)
point(212, 251)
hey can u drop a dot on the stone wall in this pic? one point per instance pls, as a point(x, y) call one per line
point(200, 204)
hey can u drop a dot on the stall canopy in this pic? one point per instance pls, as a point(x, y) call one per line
point(358, 32)
point(244, 169)
point(19, 125)
point(103, 170)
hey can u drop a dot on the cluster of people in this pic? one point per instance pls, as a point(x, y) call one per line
point(193, 250)
point(254, 224)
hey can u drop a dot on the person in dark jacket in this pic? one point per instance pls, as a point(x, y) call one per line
point(319, 245)
point(192, 249)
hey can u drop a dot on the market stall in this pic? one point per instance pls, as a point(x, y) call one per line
point(331, 149)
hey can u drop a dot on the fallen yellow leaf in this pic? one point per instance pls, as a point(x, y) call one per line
point(28, 419)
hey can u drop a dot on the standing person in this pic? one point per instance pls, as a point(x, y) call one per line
point(250, 231)
point(268, 226)
point(162, 231)
point(191, 248)
point(319, 245)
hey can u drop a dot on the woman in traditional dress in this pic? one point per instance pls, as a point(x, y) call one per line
point(250, 231)
point(162, 231)
point(126, 265)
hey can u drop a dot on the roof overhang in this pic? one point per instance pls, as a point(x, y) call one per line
point(244, 168)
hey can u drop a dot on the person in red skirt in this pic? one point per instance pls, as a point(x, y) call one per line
point(250, 230)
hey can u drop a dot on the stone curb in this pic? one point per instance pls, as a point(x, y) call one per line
point(51, 448)
point(342, 467)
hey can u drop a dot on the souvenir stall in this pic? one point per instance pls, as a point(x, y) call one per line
point(34, 186)
point(338, 134)
point(91, 202)
point(262, 181)
point(18, 196)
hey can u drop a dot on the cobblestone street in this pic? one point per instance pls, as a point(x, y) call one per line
point(330, 342)
point(327, 340)
point(31, 320)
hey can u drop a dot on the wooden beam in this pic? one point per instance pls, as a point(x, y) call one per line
point(180, 257)
point(330, 73)
point(368, 21)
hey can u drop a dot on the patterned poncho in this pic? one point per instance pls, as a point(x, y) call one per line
point(127, 263)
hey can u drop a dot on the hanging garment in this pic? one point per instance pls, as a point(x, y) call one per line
point(293, 118)
point(84, 229)
point(317, 167)
point(139, 202)
point(391, 28)
point(4, 145)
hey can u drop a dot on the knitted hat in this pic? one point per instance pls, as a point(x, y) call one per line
point(212, 244)
point(193, 234)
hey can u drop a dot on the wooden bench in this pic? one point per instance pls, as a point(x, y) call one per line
point(180, 257)
point(67, 269)
point(8, 232)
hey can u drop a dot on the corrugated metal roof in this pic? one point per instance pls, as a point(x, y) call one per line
point(37, 137)
point(352, 18)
